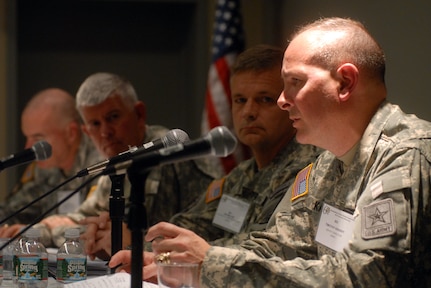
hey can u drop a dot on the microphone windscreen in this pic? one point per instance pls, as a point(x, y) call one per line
point(223, 142)
point(42, 150)
point(175, 136)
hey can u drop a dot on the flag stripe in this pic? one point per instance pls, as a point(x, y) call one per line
point(228, 42)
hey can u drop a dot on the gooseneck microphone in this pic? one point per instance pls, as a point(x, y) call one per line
point(171, 138)
point(39, 151)
point(219, 142)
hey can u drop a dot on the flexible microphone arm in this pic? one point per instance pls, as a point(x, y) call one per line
point(38, 199)
point(39, 218)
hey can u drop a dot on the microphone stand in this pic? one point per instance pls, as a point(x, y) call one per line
point(137, 221)
point(116, 212)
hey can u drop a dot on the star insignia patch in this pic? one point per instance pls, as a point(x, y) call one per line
point(378, 219)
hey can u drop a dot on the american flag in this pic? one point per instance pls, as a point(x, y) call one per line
point(227, 43)
point(300, 186)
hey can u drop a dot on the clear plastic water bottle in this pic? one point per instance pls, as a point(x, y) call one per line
point(71, 259)
point(8, 272)
point(3, 242)
point(31, 261)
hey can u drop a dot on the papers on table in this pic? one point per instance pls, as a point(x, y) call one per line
point(117, 280)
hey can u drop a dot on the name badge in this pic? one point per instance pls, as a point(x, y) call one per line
point(71, 204)
point(230, 214)
point(335, 228)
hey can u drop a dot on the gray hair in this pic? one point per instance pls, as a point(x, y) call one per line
point(100, 86)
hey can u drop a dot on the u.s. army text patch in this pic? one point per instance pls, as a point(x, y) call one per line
point(378, 219)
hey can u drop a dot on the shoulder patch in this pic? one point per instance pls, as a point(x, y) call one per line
point(91, 191)
point(215, 190)
point(378, 219)
point(300, 186)
point(28, 174)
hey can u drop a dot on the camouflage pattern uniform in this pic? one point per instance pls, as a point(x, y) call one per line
point(36, 181)
point(387, 190)
point(169, 189)
point(262, 189)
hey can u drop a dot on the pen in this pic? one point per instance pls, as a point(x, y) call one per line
point(112, 270)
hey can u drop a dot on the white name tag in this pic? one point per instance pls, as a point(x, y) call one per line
point(335, 228)
point(71, 204)
point(230, 214)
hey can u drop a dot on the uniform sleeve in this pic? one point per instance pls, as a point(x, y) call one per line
point(180, 186)
point(199, 218)
point(31, 186)
point(374, 257)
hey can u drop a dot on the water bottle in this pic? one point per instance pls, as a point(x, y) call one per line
point(8, 272)
point(71, 259)
point(31, 261)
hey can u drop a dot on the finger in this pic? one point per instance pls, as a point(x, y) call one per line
point(101, 234)
point(103, 246)
point(3, 229)
point(149, 272)
point(178, 244)
point(163, 229)
point(89, 220)
point(90, 232)
point(11, 231)
point(104, 219)
point(148, 258)
point(121, 257)
point(89, 237)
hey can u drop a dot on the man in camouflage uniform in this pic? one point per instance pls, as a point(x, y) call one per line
point(359, 216)
point(51, 116)
point(115, 119)
point(253, 189)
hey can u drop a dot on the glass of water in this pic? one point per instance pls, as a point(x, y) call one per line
point(178, 275)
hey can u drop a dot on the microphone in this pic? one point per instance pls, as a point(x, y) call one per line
point(39, 151)
point(173, 137)
point(219, 142)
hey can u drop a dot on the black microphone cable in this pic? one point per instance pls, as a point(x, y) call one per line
point(38, 199)
point(39, 218)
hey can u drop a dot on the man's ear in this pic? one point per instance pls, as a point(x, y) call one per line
point(141, 111)
point(73, 130)
point(349, 77)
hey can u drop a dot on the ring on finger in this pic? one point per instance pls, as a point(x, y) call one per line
point(163, 258)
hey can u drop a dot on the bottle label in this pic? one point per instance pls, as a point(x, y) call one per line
point(71, 269)
point(31, 268)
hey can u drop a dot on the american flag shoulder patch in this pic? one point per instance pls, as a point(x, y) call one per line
point(29, 172)
point(215, 190)
point(300, 186)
